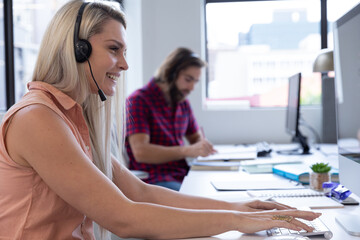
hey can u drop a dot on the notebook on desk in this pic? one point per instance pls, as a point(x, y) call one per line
point(271, 161)
point(215, 166)
point(255, 182)
point(298, 198)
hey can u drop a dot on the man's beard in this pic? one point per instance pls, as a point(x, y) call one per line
point(176, 95)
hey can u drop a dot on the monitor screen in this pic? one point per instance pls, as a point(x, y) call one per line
point(293, 107)
point(293, 117)
point(347, 84)
point(347, 78)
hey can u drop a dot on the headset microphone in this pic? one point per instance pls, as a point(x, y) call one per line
point(83, 49)
point(100, 92)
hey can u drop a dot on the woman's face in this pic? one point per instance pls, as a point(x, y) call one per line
point(107, 58)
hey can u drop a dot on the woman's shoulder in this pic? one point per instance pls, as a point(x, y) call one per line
point(36, 110)
point(34, 107)
point(33, 115)
point(27, 125)
point(38, 101)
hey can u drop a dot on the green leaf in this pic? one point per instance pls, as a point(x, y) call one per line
point(321, 167)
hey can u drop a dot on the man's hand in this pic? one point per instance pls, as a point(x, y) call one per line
point(201, 148)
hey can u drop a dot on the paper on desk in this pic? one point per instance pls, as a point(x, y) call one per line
point(231, 152)
point(228, 156)
point(255, 184)
point(315, 202)
point(235, 148)
point(272, 161)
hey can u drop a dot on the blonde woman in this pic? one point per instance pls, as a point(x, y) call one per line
point(56, 172)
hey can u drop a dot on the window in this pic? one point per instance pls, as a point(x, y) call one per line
point(254, 46)
point(27, 23)
point(30, 19)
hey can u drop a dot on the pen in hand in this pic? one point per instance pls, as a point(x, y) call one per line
point(212, 150)
point(202, 132)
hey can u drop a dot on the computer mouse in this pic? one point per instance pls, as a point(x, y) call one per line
point(263, 149)
point(288, 237)
point(264, 153)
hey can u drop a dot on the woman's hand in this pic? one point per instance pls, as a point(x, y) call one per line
point(258, 205)
point(258, 221)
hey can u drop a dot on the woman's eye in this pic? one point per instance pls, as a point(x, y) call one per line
point(114, 49)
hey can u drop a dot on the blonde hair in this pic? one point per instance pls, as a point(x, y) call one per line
point(57, 66)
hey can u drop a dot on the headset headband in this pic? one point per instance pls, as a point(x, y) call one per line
point(78, 23)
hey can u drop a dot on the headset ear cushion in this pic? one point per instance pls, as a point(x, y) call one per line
point(82, 50)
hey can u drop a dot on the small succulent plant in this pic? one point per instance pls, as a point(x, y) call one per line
point(320, 167)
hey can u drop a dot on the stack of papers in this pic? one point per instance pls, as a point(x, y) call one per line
point(231, 153)
point(266, 165)
point(216, 165)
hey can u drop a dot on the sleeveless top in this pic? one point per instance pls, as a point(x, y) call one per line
point(29, 209)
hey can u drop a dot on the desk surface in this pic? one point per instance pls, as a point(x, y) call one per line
point(199, 183)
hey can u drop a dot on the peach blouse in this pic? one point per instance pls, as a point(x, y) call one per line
point(29, 209)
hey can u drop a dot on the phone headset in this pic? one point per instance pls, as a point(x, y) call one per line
point(82, 48)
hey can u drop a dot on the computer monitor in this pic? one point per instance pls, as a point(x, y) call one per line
point(293, 117)
point(347, 79)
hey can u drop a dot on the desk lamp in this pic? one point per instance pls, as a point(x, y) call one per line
point(324, 63)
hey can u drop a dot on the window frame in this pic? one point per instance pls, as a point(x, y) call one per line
point(323, 33)
point(9, 42)
point(9, 52)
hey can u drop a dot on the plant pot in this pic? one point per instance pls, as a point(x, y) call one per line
point(317, 179)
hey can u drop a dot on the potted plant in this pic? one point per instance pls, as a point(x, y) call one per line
point(320, 173)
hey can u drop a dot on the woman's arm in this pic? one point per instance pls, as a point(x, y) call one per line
point(138, 191)
point(39, 138)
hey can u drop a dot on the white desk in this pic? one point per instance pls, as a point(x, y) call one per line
point(199, 183)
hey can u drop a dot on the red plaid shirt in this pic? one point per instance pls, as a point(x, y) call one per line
point(148, 112)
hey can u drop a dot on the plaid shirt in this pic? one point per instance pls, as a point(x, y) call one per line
point(149, 113)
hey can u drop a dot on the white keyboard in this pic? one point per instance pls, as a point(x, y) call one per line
point(320, 230)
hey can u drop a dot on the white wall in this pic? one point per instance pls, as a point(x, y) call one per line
point(1, 115)
point(134, 45)
point(167, 24)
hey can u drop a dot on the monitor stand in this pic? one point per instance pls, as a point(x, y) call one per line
point(350, 223)
point(304, 150)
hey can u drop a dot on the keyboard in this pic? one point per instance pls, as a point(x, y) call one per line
point(320, 230)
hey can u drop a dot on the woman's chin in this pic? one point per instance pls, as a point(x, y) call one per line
point(109, 92)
